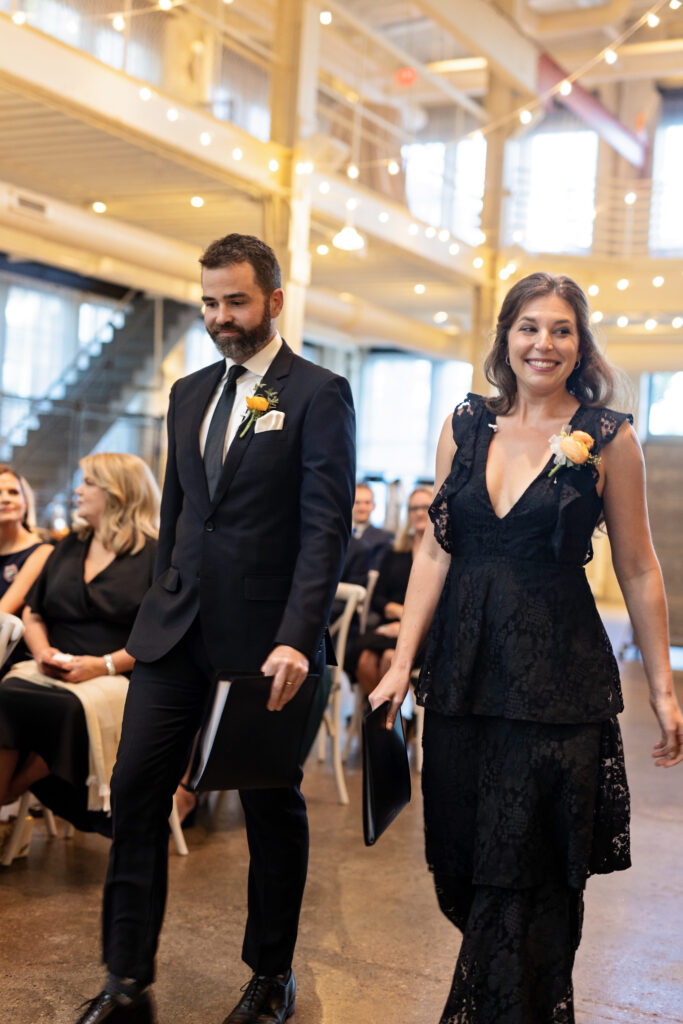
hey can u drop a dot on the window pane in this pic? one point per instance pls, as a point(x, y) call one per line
point(666, 404)
point(666, 223)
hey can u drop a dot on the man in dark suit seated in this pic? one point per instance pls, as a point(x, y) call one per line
point(255, 519)
point(375, 540)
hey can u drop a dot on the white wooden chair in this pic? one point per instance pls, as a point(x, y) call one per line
point(351, 594)
point(11, 632)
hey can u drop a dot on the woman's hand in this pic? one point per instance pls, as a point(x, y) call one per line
point(393, 610)
point(389, 629)
point(668, 751)
point(393, 687)
point(50, 665)
point(80, 667)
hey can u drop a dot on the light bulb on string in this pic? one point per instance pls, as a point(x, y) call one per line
point(650, 324)
point(611, 56)
point(348, 239)
point(19, 17)
point(622, 321)
point(674, 4)
point(652, 19)
point(565, 87)
point(352, 171)
point(525, 116)
point(393, 167)
point(118, 23)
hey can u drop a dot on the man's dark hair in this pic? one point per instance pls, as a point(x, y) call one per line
point(245, 249)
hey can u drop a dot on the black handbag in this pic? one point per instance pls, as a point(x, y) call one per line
point(386, 772)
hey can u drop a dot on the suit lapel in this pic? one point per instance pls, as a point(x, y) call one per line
point(189, 415)
point(275, 377)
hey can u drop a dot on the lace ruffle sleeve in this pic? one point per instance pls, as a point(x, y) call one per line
point(466, 418)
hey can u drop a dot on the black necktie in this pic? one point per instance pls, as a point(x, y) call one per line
point(218, 428)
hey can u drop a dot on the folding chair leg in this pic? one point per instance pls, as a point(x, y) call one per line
point(342, 791)
point(21, 833)
point(50, 825)
point(177, 831)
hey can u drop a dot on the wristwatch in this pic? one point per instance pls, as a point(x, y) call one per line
point(109, 662)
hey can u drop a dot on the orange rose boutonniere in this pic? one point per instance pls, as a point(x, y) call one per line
point(258, 405)
point(572, 448)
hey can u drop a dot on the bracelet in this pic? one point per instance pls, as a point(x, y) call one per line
point(109, 662)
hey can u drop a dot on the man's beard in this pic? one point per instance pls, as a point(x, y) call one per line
point(243, 344)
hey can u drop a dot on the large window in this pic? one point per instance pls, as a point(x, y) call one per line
point(550, 176)
point(665, 412)
point(445, 184)
point(666, 218)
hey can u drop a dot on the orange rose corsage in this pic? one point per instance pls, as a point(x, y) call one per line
point(258, 405)
point(572, 448)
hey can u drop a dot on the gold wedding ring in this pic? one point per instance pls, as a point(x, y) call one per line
point(288, 682)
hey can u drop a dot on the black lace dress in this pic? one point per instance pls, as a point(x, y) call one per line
point(525, 792)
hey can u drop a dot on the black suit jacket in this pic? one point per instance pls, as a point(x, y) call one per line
point(261, 561)
point(377, 541)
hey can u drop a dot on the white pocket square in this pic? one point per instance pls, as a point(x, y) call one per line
point(272, 420)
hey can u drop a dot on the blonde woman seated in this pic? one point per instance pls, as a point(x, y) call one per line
point(22, 552)
point(60, 714)
point(377, 647)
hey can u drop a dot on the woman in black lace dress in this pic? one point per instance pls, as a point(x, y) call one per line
point(524, 786)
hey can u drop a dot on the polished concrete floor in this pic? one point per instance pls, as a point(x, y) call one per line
point(373, 947)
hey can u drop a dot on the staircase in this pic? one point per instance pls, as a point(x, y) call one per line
point(93, 393)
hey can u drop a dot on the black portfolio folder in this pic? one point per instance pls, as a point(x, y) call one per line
point(243, 745)
point(386, 772)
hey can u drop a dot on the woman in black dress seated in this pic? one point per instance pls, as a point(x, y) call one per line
point(60, 714)
point(377, 646)
point(525, 793)
point(22, 552)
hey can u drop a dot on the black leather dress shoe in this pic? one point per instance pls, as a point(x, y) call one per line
point(265, 1001)
point(118, 1009)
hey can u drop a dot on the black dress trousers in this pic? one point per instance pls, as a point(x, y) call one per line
point(164, 708)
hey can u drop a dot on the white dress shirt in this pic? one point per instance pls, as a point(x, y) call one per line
point(245, 385)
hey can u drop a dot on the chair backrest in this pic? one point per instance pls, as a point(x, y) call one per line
point(373, 576)
point(351, 594)
point(11, 632)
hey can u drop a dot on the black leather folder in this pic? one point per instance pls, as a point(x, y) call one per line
point(243, 745)
point(386, 772)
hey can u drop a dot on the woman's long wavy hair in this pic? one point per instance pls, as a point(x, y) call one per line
point(131, 510)
point(594, 382)
point(404, 541)
point(29, 520)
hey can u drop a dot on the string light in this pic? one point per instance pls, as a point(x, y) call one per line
point(99, 207)
point(205, 139)
point(393, 167)
point(652, 20)
point(565, 87)
point(413, 229)
point(441, 317)
point(19, 18)
point(454, 248)
point(630, 198)
point(352, 171)
point(593, 289)
point(172, 114)
point(675, 4)
point(304, 167)
point(444, 235)
point(237, 153)
point(622, 321)
point(324, 187)
point(658, 281)
point(526, 116)
point(273, 165)
point(118, 23)
point(419, 289)
point(677, 320)
point(478, 262)
point(611, 56)
point(326, 17)
point(165, 5)
point(197, 202)
point(145, 94)
point(430, 232)
point(623, 284)
point(351, 204)
point(383, 217)
point(323, 250)
point(650, 324)
point(597, 317)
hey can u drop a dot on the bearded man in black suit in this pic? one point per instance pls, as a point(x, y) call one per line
point(255, 519)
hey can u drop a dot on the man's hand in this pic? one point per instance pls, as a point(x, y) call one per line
point(289, 668)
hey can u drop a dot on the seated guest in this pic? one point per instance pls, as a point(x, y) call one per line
point(60, 714)
point(375, 649)
point(22, 553)
point(375, 540)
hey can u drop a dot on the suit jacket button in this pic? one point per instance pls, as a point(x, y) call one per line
point(209, 526)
